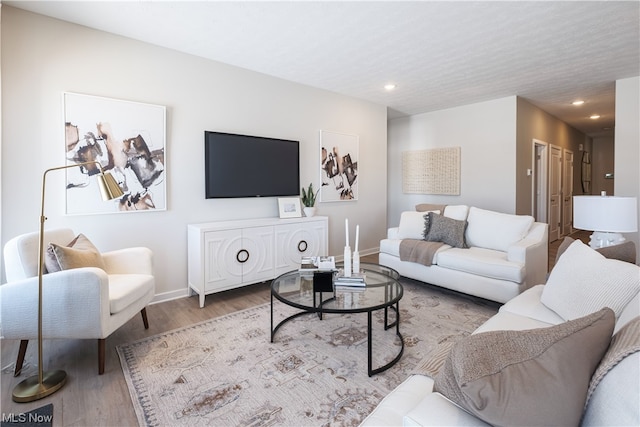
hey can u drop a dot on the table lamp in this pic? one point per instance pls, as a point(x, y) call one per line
point(607, 217)
point(46, 383)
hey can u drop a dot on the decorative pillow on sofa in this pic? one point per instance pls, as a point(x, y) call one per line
point(529, 377)
point(624, 251)
point(430, 207)
point(446, 230)
point(584, 281)
point(80, 252)
point(412, 225)
point(496, 230)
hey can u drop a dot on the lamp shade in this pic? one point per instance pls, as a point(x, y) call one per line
point(109, 188)
point(605, 213)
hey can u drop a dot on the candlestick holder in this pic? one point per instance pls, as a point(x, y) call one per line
point(347, 261)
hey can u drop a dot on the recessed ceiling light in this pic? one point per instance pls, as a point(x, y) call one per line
point(577, 102)
point(390, 86)
point(594, 116)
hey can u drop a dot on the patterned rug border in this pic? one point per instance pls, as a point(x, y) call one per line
point(125, 354)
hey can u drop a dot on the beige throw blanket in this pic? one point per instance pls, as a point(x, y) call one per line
point(419, 251)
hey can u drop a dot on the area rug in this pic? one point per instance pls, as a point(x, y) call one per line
point(226, 372)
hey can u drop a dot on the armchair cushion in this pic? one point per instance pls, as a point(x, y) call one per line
point(80, 252)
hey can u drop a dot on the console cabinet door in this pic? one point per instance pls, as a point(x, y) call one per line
point(294, 241)
point(221, 270)
point(256, 255)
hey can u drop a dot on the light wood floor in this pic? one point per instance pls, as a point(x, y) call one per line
point(89, 399)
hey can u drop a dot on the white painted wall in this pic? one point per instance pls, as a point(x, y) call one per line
point(627, 148)
point(485, 132)
point(44, 57)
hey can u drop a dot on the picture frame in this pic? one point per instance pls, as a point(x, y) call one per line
point(338, 166)
point(128, 139)
point(289, 207)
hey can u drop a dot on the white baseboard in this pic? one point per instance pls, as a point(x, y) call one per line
point(168, 296)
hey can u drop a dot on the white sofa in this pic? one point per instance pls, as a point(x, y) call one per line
point(613, 401)
point(506, 253)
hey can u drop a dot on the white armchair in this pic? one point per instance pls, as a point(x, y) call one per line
point(79, 303)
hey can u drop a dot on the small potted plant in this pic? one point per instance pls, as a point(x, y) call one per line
point(309, 200)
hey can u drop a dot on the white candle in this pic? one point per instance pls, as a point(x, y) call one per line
point(357, 237)
point(346, 231)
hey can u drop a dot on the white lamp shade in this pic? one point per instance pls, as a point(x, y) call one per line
point(605, 213)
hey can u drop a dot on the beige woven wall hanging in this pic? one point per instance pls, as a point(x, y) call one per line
point(435, 171)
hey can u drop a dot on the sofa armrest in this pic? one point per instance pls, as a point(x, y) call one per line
point(75, 303)
point(533, 252)
point(393, 232)
point(129, 261)
point(437, 410)
point(395, 405)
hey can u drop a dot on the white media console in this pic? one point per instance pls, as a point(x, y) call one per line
point(230, 254)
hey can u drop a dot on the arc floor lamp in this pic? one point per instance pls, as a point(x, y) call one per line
point(46, 383)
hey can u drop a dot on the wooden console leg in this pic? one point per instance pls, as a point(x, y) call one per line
point(144, 318)
point(22, 351)
point(101, 356)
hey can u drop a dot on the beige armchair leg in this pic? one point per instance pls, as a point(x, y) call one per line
point(22, 351)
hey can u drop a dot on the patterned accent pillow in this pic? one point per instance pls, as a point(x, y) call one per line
point(446, 230)
point(529, 377)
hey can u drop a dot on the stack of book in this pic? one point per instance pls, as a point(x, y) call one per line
point(356, 280)
point(317, 263)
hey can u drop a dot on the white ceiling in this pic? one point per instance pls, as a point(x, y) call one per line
point(440, 54)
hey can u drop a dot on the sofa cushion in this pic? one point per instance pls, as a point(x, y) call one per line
point(495, 230)
point(482, 262)
point(584, 281)
point(446, 230)
point(458, 212)
point(528, 305)
point(516, 377)
point(78, 253)
point(412, 225)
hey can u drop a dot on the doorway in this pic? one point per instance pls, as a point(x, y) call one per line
point(552, 177)
point(567, 192)
point(539, 181)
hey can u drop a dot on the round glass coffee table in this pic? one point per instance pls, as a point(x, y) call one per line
point(383, 291)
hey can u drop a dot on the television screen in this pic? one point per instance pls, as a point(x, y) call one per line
point(250, 166)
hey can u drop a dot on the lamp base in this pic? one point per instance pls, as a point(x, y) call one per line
point(602, 239)
point(30, 389)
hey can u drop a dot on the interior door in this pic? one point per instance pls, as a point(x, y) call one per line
point(567, 191)
point(555, 191)
point(540, 188)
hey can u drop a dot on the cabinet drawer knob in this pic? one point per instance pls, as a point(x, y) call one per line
point(302, 245)
point(245, 256)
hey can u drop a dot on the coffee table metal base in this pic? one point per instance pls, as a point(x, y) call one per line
point(370, 370)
